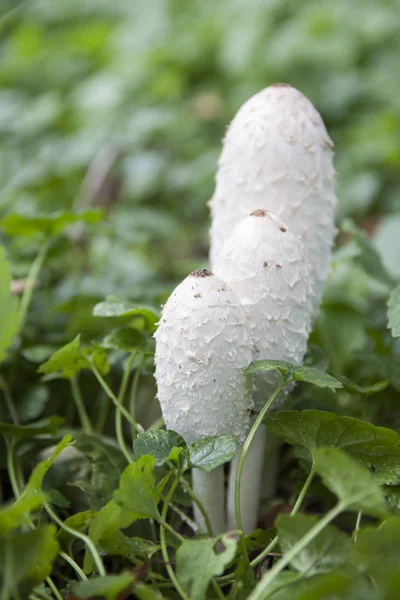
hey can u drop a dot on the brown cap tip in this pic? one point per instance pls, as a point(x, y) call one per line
point(201, 273)
point(278, 85)
point(258, 213)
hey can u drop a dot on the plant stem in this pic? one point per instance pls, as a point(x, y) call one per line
point(261, 590)
point(53, 588)
point(164, 550)
point(158, 423)
point(358, 525)
point(118, 416)
point(209, 488)
point(132, 397)
point(30, 283)
point(11, 467)
point(114, 398)
point(303, 492)
point(9, 401)
point(285, 380)
point(73, 564)
point(80, 406)
point(78, 534)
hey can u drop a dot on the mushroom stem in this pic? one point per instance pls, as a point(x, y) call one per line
point(209, 489)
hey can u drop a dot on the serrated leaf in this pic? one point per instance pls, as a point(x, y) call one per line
point(29, 557)
point(197, 563)
point(114, 307)
point(71, 358)
point(394, 311)
point(108, 587)
point(8, 308)
point(163, 445)
point(50, 425)
point(211, 452)
point(126, 339)
point(48, 224)
point(329, 550)
point(35, 480)
point(137, 489)
point(297, 373)
point(355, 487)
point(376, 447)
point(18, 513)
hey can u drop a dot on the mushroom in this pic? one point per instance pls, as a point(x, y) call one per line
point(265, 265)
point(278, 156)
point(203, 345)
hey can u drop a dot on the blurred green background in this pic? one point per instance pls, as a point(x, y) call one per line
point(123, 105)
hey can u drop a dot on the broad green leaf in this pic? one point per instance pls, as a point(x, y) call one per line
point(394, 311)
point(377, 447)
point(50, 425)
point(377, 549)
point(211, 452)
point(18, 513)
point(355, 487)
point(108, 587)
point(8, 308)
point(163, 445)
point(80, 521)
point(328, 551)
point(197, 563)
point(145, 592)
point(126, 339)
point(29, 557)
point(369, 257)
point(71, 358)
point(328, 586)
point(297, 373)
point(116, 543)
point(115, 307)
point(49, 224)
point(137, 490)
point(35, 480)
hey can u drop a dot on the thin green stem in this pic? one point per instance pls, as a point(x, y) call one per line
point(132, 397)
point(78, 534)
point(261, 590)
point(73, 564)
point(53, 588)
point(9, 401)
point(118, 416)
point(285, 584)
point(217, 589)
point(358, 525)
point(158, 423)
point(164, 549)
point(304, 490)
point(11, 467)
point(242, 456)
point(80, 406)
point(102, 410)
point(199, 504)
point(114, 398)
point(30, 283)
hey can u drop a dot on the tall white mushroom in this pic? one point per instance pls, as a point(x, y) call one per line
point(278, 156)
point(203, 345)
point(265, 266)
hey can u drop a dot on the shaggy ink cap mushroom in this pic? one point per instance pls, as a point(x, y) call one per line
point(265, 265)
point(203, 345)
point(278, 156)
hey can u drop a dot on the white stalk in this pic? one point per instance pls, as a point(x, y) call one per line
point(210, 489)
point(203, 345)
point(278, 156)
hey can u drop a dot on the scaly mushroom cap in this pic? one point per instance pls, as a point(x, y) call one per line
point(203, 345)
point(277, 155)
point(265, 266)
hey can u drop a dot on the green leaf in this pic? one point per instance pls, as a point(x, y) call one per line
point(377, 447)
point(8, 308)
point(137, 491)
point(163, 445)
point(108, 587)
point(145, 592)
point(328, 551)
point(116, 543)
point(394, 311)
point(126, 339)
point(373, 388)
point(71, 358)
point(49, 224)
point(329, 586)
point(29, 557)
point(80, 521)
point(197, 563)
point(355, 487)
point(369, 257)
point(296, 372)
point(35, 480)
point(211, 452)
point(115, 307)
point(18, 513)
point(377, 549)
point(50, 425)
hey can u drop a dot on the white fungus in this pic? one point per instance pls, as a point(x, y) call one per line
point(278, 156)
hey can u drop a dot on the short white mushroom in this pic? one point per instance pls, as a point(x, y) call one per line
point(278, 156)
point(265, 266)
point(203, 345)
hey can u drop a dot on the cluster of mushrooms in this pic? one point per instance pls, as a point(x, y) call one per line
point(271, 234)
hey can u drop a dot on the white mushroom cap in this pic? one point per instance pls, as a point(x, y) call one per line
point(265, 266)
point(277, 155)
point(203, 345)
